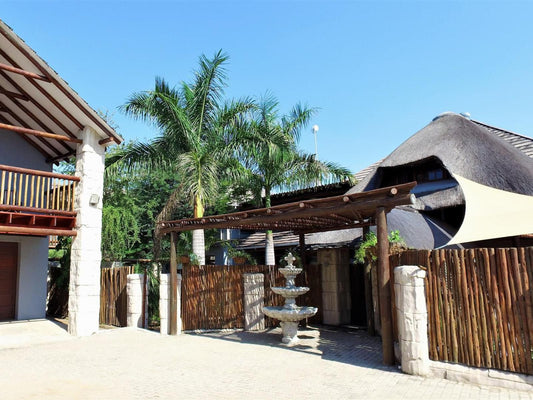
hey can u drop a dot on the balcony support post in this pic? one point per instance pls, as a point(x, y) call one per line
point(84, 291)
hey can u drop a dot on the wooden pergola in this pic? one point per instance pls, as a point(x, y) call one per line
point(332, 213)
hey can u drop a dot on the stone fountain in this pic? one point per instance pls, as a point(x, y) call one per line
point(290, 314)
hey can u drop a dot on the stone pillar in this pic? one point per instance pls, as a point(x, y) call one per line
point(254, 300)
point(336, 299)
point(164, 304)
point(410, 299)
point(84, 289)
point(134, 292)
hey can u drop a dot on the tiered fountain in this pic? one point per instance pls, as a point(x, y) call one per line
point(290, 314)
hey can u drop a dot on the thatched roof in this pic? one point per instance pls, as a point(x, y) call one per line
point(483, 154)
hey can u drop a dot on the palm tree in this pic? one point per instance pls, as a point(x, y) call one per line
point(271, 160)
point(193, 125)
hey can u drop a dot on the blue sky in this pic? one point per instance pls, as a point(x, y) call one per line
point(379, 71)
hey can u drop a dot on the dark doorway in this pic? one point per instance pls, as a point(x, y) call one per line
point(357, 286)
point(8, 279)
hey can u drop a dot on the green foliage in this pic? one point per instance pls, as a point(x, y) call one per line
point(64, 246)
point(153, 288)
point(233, 252)
point(120, 231)
point(367, 251)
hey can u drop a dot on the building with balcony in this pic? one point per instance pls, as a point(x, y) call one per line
point(42, 122)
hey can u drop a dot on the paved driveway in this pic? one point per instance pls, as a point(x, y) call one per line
point(135, 364)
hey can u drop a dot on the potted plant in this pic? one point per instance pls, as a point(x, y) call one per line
point(239, 257)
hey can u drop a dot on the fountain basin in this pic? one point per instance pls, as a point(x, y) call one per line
point(292, 291)
point(289, 315)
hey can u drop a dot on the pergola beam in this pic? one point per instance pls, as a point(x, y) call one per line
point(22, 72)
point(37, 133)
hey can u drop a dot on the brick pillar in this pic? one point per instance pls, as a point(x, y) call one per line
point(336, 298)
point(164, 304)
point(254, 300)
point(84, 289)
point(411, 308)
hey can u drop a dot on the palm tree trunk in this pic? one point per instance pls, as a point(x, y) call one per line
point(198, 245)
point(198, 238)
point(270, 256)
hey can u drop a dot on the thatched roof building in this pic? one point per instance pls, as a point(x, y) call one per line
point(459, 164)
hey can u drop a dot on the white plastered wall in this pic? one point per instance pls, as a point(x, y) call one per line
point(31, 277)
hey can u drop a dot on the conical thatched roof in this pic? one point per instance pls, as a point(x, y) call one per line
point(466, 148)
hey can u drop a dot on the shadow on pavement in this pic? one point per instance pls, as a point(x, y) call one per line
point(354, 347)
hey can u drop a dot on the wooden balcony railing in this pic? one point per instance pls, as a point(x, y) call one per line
point(24, 189)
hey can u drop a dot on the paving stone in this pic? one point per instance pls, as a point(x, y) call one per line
point(136, 364)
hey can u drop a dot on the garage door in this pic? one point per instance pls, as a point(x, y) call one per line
point(8, 279)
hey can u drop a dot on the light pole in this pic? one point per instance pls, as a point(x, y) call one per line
point(315, 130)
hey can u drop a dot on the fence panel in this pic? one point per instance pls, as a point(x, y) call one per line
point(480, 305)
point(113, 296)
point(212, 295)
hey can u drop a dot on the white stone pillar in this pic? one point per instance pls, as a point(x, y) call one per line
point(164, 304)
point(84, 289)
point(254, 300)
point(410, 296)
point(134, 292)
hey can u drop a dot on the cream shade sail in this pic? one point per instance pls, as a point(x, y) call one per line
point(492, 213)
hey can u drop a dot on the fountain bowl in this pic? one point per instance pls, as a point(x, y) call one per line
point(290, 315)
point(291, 291)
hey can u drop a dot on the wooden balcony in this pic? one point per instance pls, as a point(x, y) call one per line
point(36, 202)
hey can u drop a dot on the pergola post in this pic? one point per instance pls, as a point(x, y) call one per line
point(302, 249)
point(173, 285)
point(384, 287)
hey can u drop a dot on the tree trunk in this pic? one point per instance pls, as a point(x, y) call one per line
point(198, 245)
point(198, 238)
point(270, 256)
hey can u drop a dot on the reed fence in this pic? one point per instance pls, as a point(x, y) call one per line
point(26, 189)
point(212, 295)
point(480, 305)
point(113, 296)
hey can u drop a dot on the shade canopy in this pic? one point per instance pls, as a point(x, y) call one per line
point(319, 215)
point(492, 213)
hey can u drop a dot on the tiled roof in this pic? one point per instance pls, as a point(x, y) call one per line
point(521, 142)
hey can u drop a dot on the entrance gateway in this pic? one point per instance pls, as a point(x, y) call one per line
point(8, 279)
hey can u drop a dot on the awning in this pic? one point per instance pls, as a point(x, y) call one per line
point(492, 213)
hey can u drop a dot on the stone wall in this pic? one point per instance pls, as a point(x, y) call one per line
point(134, 291)
point(164, 304)
point(254, 300)
point(336, 299)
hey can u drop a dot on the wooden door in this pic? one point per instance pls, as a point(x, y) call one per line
point(8, 279)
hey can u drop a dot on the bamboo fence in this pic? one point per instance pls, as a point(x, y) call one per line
point(212, 295)
point(113, 296)
point(480, 305)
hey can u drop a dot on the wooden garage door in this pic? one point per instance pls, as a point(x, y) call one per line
point(8, 279)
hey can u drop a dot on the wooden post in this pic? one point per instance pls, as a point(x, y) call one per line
point(384, 287)
point(371, 329)
point(302, 249)
point(173, 309)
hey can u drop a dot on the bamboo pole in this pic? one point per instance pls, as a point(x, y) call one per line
point(8, 200)
point(520, 317)
point(528, 304)
point(2, 187)
point(173, 286)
